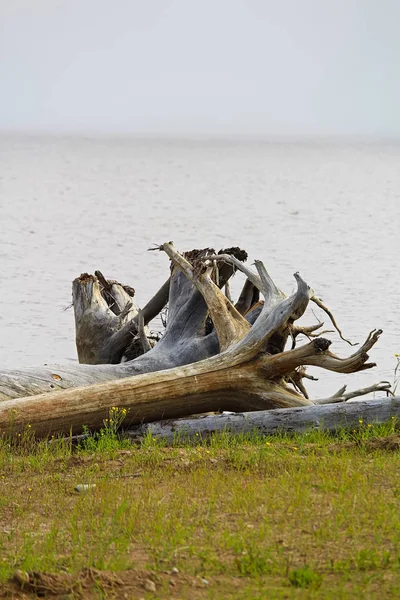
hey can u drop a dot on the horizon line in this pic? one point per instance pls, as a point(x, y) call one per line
point(198, 136)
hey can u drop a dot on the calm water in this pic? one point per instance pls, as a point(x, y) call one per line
point(67, 205)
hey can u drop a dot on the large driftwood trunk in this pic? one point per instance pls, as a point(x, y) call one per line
point(213, 356)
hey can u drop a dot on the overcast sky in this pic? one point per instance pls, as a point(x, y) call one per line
point(201, 66)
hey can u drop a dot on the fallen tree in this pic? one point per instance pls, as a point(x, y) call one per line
point(327, 417)
point(213, 356)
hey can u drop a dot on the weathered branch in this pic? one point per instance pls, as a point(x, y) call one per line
point(342, 396)
point(323, 307)
point(331, 417)
point(247, 297)
point(308, 331)
point(210, 385)
point(142, 334)
point(228, 322)
point(240, 266)
point(272, 295)
point(267, 287)
point(355, 362)
point(116, 345)
point(228, 292)
point(262, 281)
point(316, 354)
point(269, 322)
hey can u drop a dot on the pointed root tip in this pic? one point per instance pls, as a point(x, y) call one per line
point(298, 277)
point(258, 263)
point(160, 246)
point(303, 284)
point(375, 333)
point(384, 386)
point(368, 365)
point(340, 392)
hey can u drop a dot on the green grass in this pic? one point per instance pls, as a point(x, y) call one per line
point(310, 516)
point(305, 577)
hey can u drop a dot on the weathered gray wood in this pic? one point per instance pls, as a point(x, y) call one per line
point(116, 348)
point(236, 364)
point(226, 381)
point(102, 308)
point(343, 396)
point(184, 341)
point(273, 295)
point(329, 417)
point(248, 297)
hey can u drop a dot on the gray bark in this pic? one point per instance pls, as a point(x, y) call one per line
point(329, 417)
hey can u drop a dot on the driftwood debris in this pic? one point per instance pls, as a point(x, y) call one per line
point(332, 417)
point(213, 356)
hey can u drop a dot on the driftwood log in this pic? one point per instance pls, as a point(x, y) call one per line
point(328, 417)
point(213, 355)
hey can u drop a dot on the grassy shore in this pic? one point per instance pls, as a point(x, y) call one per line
point(311, 516)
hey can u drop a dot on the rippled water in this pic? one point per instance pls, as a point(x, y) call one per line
point(330, 209)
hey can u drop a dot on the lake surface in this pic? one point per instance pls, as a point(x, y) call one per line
point(329, 209)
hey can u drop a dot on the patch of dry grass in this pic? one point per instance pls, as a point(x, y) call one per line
point(312, 516)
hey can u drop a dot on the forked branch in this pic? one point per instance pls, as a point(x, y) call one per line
point(323, 307)
point(317, 354)
point(342, 396)
point(270, 322)
point(268, 288)
point(355, 362)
